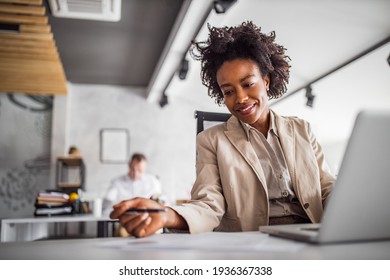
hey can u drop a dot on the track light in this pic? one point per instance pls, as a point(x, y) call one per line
point(163, 100)
point(221, 6)
point(183, 69)
point(310, 97)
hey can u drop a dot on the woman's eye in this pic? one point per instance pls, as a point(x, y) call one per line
point(227, 92)
point(249, 84)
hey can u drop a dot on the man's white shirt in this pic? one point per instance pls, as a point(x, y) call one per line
point(123, 188)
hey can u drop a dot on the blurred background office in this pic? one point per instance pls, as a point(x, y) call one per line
point(134, 74)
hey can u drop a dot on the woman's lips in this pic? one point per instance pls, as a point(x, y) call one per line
point(246, 109)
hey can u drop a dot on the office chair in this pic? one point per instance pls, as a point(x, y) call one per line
point(207, 119)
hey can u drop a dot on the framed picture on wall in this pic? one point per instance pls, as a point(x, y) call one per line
point(114, 145)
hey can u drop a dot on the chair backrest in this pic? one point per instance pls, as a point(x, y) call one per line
point(208, 119)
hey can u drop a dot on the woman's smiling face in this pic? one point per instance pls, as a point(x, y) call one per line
point(244, 90)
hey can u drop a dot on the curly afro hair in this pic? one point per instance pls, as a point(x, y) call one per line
point(242, 42)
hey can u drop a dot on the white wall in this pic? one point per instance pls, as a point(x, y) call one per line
point(25, 136)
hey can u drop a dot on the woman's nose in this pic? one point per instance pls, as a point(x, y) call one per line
point(241, 96)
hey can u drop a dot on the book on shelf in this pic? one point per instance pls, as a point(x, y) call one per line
point(48, 211)
point(54, 200)
point(52, 197)
point(51, 194)
point(40, 204)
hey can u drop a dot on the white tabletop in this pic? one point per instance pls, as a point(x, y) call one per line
point(37, 227)
point(55, 219)
point(242, 245)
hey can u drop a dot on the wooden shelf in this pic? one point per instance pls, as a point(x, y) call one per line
point(71, 161)
point(70, 173)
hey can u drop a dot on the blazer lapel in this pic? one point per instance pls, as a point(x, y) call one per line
point(287, 141)
point(236, 135)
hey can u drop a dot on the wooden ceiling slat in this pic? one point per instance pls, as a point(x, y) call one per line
point(29, 59)
point(22, 9)
point(23, 50)
point(35, 88)
point(12, 18)
point(26, 43)
point(27, 36)
point(53, 56)
point(29, 76)
point(50, 53)
point(30, 2)
point(26, 65)
point(34, 28)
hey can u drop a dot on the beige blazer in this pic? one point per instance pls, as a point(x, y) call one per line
point(230, 191)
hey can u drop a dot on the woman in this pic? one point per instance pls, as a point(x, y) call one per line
point(258, 168)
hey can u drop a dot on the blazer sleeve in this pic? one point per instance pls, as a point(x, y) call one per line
point(207, 205)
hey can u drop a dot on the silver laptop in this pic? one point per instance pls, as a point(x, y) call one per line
point(359, 206)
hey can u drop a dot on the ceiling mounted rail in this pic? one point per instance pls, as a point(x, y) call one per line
point(356, 57)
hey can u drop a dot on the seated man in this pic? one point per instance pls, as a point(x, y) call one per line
point(136, 183)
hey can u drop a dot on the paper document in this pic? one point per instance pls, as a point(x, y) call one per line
point(209, 241)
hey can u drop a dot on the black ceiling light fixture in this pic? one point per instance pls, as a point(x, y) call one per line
point(164, 97)
point(163, 100)
point(183, 69)
point(310, 97)
point(221, 6)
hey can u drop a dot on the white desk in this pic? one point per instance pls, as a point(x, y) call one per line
point(203, 246)
point(33, 228)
